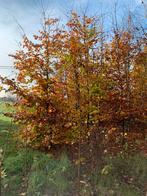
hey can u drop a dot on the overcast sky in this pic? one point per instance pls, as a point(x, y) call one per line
point(28, 14)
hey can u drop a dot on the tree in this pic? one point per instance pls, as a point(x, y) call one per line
point(75, 86)
point(39, 105)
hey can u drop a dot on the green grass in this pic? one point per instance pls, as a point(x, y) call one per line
point(28, 171)
point(7, 128)
point(9, 146)
point(123, 174)
point(37, 174)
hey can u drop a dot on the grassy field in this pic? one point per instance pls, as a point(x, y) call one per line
point(33, 173)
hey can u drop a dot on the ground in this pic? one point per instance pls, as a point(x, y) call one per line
point(30, 172)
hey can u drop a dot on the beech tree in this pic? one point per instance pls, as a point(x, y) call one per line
point(39, 104)
point(72, 84)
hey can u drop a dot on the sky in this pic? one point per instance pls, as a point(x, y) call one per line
point(27, 14)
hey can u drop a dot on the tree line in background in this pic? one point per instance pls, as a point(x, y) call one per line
point(76, 84)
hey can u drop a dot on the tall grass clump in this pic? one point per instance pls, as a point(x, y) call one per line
point(49, 176)
point(122, 175)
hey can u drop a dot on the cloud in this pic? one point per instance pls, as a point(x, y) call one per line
point(28, 15)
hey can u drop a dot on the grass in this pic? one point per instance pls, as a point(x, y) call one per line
point(29, 172)
point(8, 144)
